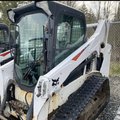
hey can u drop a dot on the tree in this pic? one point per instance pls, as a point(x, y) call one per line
point(69, 3)
point(99, 10)
point(83, 9)
point(117, 13)
point(90, 17)
point(108, 9)
point(4, 6)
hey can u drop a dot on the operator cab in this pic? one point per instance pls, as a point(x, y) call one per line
point(4, 34)
point(5, 52)
point(48, 32)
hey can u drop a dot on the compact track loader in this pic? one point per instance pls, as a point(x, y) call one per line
point(6, 59)
point(58, 74)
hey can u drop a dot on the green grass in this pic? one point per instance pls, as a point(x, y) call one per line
point(115, 69)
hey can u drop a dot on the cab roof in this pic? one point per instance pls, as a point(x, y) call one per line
point(53, 6)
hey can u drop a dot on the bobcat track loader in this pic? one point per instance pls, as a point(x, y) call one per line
point(6, 59)
point(58, 73)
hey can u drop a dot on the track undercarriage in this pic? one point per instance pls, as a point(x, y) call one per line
point(87, 102)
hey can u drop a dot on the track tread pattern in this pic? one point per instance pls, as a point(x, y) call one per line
point(78, 100)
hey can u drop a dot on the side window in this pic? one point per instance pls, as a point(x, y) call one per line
point(63, 35)
point(3, 36)
point(76, 32)
point(70, 34)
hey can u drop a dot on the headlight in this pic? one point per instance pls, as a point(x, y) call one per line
point(42, 88)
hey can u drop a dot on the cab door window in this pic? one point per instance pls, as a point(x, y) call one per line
point(70, 34)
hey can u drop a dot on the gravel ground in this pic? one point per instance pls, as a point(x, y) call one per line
point(109, 112)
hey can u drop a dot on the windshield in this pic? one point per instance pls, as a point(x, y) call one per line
point(29, 63)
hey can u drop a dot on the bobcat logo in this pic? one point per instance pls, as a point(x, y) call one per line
point(55, 82)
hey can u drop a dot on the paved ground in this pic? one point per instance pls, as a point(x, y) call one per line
point(110, 111)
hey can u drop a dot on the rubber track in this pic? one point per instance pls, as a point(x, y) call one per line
point(78, 100)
